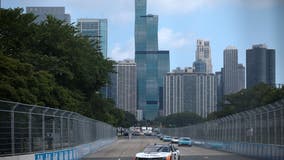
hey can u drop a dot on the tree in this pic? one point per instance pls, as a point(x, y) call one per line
point(180, 119)
point(50, 64)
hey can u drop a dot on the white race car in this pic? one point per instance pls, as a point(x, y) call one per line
point(159, 152)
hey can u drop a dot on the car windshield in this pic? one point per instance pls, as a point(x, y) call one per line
point(185, 139)
point(157, 148)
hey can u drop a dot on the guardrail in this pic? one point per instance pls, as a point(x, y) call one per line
point(29, 128)
point(260, 131)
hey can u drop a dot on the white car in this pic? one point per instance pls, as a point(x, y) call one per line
point(159, 151)
point(175, 140)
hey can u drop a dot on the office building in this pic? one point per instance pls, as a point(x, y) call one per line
point(151, 67)
point(96, 31)
point(241, 77)
point(43, 12)
point(199, 66)
point(189, 92)
point(123, 87)
point(260, 65)
point(219, 83)
point(230, 70)
point(146, 28)
point(203, 53)
point(152, 64)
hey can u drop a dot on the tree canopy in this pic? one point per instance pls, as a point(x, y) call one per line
point(179, 119)
point(50, 64)
point(246, 99)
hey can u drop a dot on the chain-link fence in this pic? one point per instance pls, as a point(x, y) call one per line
point(258, 132)
point(29, 128)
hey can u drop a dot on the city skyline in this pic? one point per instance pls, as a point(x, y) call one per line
point(239, 24)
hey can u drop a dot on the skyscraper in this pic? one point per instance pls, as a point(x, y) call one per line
point(96, 31)
point(241, 77)
point(230, 70)
point(219, 82)
point(42, 12)
point(124, 86)
point(203, 53)
point(199, 66)
point(152, 64)
point(189, 92)
point(260, 64)
point(151, 67)
point(146, 28)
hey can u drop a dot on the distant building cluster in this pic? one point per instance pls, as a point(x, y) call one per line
point(145, 86)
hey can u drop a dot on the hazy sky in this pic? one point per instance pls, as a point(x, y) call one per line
point(240, 23)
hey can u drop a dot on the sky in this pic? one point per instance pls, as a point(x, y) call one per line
point(240, 23)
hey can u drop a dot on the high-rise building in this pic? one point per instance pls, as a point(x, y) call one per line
point(152, 64)
point(189, 92)
point(124, 86)
point(96, 31)
point(43, 12)
point(146, 28)
point(199, 66)
point(219, 87)
point(151, 67)
point(230, 70)
point(233, 72)
point(241, 77)
point(203, 53)
point(260, 64)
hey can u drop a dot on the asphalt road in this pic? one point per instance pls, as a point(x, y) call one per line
point(125, 149)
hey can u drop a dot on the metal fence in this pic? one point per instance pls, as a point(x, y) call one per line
point(29, 128)
point(259, 128)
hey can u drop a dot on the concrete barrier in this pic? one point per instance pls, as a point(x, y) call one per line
point(73, 153)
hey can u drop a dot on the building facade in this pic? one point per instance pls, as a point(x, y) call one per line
point(123, 87)
point(43, 12)
point(203, 53)
point(219, 87)
point(151, 67)
point(241, 77)
point(199, 66)
point(96, 30)
point(146, 28)
point(152, 64)
point(189, 92)
point(260, 65)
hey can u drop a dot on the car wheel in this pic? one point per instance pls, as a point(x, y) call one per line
point(179, 158)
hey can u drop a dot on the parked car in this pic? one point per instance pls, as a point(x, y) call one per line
point(159, 152)
point(175, 140)
point(167, 138)
point(185, 141)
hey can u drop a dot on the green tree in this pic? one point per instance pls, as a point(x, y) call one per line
point(180, 119)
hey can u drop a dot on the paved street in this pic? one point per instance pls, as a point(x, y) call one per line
point(125, 149)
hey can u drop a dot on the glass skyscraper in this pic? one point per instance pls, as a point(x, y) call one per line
point(146, 28)
point(152, 64)
point(95, 30)
point(42, 12)
point(260, 65)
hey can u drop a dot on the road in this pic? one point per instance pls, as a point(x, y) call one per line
point(124, 149)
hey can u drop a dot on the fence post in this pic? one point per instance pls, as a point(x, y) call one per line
point(68, 125)
point(13, 129)
point(61, 129)
point(30, 128)
point(43, 129)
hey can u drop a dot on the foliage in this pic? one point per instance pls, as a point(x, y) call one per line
point(180, 119)
point(50, 64)
point(246, 99)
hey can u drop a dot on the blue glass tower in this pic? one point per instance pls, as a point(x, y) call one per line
point(152, 64)
point(95, 30)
